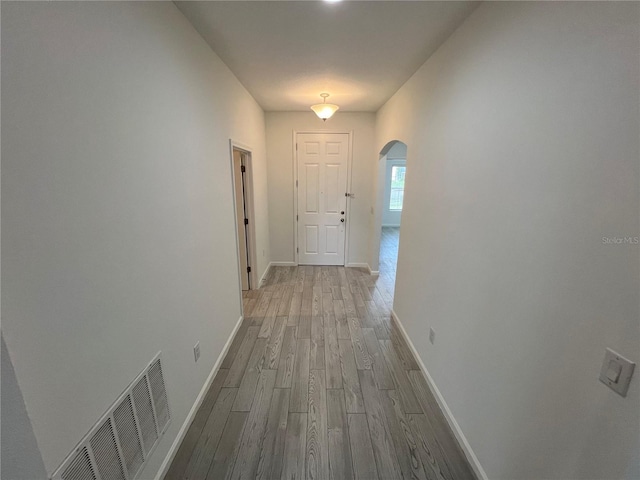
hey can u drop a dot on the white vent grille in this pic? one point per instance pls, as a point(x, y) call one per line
point(80, 468)
point(105, 452)
point(119, 444)
point(142, 401)
point(128, 435)
point(159, 394)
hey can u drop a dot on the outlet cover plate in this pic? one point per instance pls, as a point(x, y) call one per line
point(623, 365)
point(196, 351)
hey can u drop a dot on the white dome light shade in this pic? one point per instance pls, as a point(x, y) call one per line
point(324, 110)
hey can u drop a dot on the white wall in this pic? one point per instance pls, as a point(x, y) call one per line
point(280, 127)
point(523, 152)
point(118, 235)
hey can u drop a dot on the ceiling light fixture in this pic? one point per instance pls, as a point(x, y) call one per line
point(324, 110)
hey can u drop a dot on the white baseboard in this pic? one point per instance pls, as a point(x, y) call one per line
point(358, 265)
point(264, 275)
point(194, 409)
point(375, 273)
point(294, 264)
point(363, 265)
point(457, 431)
point(274, 264)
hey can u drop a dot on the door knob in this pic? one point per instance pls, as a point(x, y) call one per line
point(342, 219)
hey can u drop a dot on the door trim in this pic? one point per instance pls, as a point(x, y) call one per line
point(249, 204)
point(349, 133)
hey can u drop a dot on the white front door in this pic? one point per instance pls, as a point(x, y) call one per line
point(322, 160)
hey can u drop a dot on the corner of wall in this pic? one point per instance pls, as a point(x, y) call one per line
point(21, 458)
point(263, 278)
point(166, 463)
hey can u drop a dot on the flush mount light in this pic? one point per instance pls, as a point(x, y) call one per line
point(324, 110)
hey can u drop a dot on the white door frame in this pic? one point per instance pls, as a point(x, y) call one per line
point(295, 189)
point(234, 145)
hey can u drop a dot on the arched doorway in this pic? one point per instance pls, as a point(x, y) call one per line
point(388, 211)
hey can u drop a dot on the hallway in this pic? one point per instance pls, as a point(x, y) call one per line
point(389, 242)
point(319, 384)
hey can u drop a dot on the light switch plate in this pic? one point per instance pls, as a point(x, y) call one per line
point(613, 361)
point(196, 351)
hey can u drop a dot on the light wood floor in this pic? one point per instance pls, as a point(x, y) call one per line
point(389, 241)
point(319, 384)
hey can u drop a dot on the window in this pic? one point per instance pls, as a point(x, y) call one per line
point(397, 188)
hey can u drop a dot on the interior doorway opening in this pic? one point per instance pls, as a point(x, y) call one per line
point(389, 205)
point(242, 174)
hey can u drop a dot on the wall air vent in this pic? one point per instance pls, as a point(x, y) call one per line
point(80, 467)
point(119, 444)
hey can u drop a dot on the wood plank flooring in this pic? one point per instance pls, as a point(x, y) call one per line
point(319, 385)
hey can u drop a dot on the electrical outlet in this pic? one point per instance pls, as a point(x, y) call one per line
point(432, 336)
point(196, 351)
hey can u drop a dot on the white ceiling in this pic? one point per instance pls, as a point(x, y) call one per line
point(288, 52)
